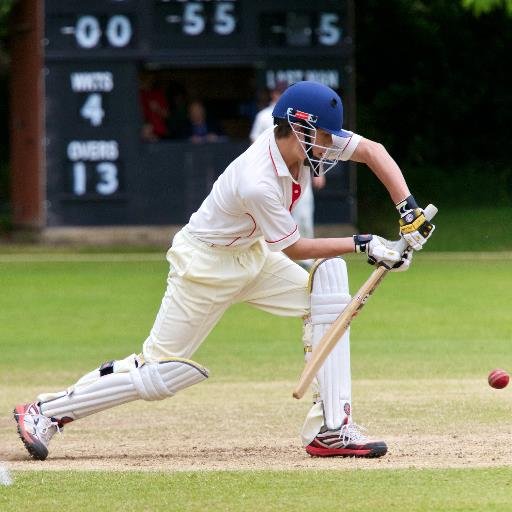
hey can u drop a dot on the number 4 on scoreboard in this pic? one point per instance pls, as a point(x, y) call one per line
point(92, 109)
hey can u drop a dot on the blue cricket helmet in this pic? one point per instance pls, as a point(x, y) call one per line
point(313, 103)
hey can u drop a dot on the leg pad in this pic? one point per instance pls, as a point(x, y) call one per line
point(329, 297)
point(126, 380)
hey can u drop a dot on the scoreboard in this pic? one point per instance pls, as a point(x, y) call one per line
point(98, 170)
point(238, 28)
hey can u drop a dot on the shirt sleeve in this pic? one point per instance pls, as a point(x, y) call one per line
point(275, 222)
point(348, 144)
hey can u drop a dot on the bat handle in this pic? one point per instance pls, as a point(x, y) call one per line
point(430, 211)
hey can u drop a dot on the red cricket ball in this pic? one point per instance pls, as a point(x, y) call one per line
point(498, 379)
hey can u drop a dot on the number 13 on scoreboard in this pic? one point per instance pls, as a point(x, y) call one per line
point(101, 178)
point(94, 168)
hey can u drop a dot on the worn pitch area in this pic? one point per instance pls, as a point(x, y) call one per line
point(235, 426)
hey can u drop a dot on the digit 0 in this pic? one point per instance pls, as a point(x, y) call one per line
point(118, 31)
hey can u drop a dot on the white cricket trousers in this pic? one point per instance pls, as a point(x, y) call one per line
point(205, 280)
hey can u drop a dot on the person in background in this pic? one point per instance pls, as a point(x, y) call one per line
point(201, 129)
point(155, 108)
point(304, 209)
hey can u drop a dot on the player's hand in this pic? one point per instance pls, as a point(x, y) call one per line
point(382, 252)
point(405, 258)
point(414, 226)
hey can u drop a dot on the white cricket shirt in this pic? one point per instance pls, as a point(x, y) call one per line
point(254, 198)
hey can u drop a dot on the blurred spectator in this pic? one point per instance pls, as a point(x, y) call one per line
point(304, 209)
point(201, 129)
point(155, 108)
point(263, 119)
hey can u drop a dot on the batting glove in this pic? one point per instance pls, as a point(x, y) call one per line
point(414, 226)
point(405, 258)
point(382, 252)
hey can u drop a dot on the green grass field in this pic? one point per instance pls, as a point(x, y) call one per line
point(421, 351)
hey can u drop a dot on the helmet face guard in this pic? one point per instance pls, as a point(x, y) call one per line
point(304, 129)
point(308, 107)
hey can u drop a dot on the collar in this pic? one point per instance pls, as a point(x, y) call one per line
point(280, 168)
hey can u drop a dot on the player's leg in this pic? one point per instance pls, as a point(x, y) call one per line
point(156, 377)
point(329, 429)
point(281, 287)
point(203, 283)
point(113, 383)
point(194, 301)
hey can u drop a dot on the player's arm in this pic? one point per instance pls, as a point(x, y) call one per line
point(377, 249)
point(414, 227)
point(309, 248)
point(375, 156)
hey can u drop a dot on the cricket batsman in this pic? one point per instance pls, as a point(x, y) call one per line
point(240, 246)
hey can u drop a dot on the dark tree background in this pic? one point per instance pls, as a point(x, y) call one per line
point(434, 80)
point(434, 85)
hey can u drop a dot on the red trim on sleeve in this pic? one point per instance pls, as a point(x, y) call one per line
point(281, 239)
point(348, 142)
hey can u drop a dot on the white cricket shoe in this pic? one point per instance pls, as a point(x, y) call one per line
point(35, 429)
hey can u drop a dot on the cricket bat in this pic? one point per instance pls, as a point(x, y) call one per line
point(341, 324)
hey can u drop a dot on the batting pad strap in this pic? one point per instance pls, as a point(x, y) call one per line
point(325, 308)
point(149, 383)
point(156, 381)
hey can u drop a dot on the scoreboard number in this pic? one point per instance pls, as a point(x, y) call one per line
point(225, 20)
point(94, 169)
point(108, 182)
point(92, 109)
point(102, 179)
point(79, 179)
point(329, 32)
point(193, 19)
point(88, 32)
point(119, 31)
point(199, 17)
